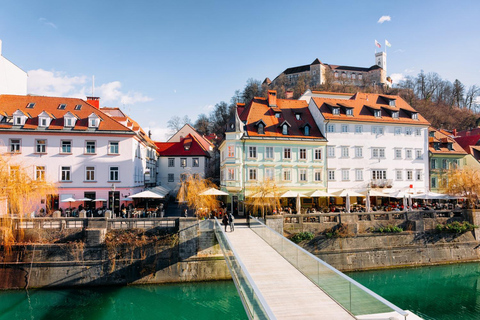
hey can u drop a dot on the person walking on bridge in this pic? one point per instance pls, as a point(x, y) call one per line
point(225, 221)
point(231, 220)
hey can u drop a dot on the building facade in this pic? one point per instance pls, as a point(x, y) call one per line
point(72, 143)
point(374, 142)
point(273, 139)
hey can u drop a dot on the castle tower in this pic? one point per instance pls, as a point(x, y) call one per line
point(381, 60)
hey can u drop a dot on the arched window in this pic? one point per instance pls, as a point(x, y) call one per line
point(285, 129)
point(261, 129)
point(307, 130)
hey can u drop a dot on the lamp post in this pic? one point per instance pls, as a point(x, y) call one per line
point(113, 199)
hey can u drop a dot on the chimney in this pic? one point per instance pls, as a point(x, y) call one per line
point(94, 101)
point(272, 98)
point(454, 132)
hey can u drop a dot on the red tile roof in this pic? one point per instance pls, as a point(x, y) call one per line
point(362, 103)
point(443, 140)
point(188, 146)
point(258, 109)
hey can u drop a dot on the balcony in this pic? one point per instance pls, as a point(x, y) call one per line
point(381, 183)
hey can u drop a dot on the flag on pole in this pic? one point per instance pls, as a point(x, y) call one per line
point(377, 44)
point(387, 43)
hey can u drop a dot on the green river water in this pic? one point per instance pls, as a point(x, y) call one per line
point(450, 292)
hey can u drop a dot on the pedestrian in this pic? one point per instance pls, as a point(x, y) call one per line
point(231, 220)
point(225, 221)
point(186, 213)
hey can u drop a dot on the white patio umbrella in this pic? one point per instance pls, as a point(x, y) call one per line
point(299, 204)
point(84, 199)
point(347, 203)
point(319, 194)
point(147, 194)
point(430, 195)
point(351, 193)
point(99, 199)
point(71, 199)
point(213, 192)
point(292, 194)
point(367, 202)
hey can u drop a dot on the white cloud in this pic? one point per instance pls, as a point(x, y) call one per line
point(409, 70)
point(209, 107)
point(384, 18)
point(159, 133)
point(55, 83)
point(397, 77)
point(47, 23)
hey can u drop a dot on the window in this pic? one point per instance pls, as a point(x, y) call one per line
point(345, 174)
point(183, 162)
point(433, 163)
point(330, 128)
point(287, 154)
point(336, 111)
point(78, 107)
point(330, 151)
point(261, 128)
point(231, 151)
point(230, 174)
point(444, 164)
point(66, 146)
point(278, 114)
point(113, 147)
point(318, 175)
point(336, 74)
point(377, 130)
point(418, 154)
point(171, 162)
point(344, 128)
point(353, 76)
point(14, 171)
point(287, 174)
point(359, 174)
point(349, 111)
point(409, 175)
point(113, 174)
point(415, 116)
point(62, 107)
point(397, 131)
point(303, 154)
point(358, 152)
point(307, 130)
point(360, 76)
point(43, 122)
point(344, 75)
point(41, 146)
point(379, 174)
point(418, 132)
point(31, 105)
point(268, 152)
point(89, 173)
point(93, 123)
point(171, 177)
point(408, 153)
point(398, 174)
point(298, 116)
point(344, 151)
point(68, 122)
point(358, 129)
point(252, 174)
point(269, 173)
point(434, 182)
point(398, 153)
point(377, 113)
point(395, 114)
point(285, 129)
point(408, 131)
point(318, 154)
point(450, 146)
point(15, 145)
point(378, 153)
point(418, 175)
point(195, 162)
point(331, 175)
point(302, 173)
point(40, 172)
point(90, 147)
point(252, 152)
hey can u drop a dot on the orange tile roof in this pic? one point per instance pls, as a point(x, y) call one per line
point(362, 102)
point(11, 103)
point(258, 109)
point(442, 140)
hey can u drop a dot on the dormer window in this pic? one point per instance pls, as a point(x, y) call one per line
point(391, 103)
point(395, 114)
point(307, 130)
point(349, 112)
point(69, 120)
point(450, 146)
point(18, 121)
point(415, 116)
point(19, 118)
point(377, 113)
point(336, 111)
point(93, 121)
point(31, 105)
point(285, 129)
point(261, 128)
point(62, 106)
point(43, 122)
point(278, 114)
point(436, 145)
point(78, 107)
point(298, 116)
point(431, 133)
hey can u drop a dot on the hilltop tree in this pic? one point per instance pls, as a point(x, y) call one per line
point(176, 123)
point(220, 116)
point(203, 124)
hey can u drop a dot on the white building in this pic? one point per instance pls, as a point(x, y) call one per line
point(13, 80)
point(374, 141)
point(186, 152)
point(77, 146)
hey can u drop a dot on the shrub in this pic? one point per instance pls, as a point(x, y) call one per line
point(339, 231)
point(388, 229)
point(301, 236)
point(455, 227)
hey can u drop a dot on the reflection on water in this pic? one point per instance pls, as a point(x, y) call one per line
point(212, 300)
point(450, 292)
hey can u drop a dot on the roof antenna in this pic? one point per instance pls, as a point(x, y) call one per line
point(93, 86)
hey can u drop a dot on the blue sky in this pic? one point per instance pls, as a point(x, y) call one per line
point(157, 59)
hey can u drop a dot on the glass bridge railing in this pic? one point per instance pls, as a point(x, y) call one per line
point(348, 293)
point(252, 299)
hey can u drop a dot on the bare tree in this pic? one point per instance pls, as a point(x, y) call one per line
point(202, 125)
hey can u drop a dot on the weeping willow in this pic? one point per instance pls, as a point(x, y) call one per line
point(189, 193)
point(20, 194)
point(464, 182)
point(265, 195)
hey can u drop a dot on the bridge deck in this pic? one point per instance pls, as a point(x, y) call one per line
point(289, 294)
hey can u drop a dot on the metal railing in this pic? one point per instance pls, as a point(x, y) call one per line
point(253, 301)
point(348, 293)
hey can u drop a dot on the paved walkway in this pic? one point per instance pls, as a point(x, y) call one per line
point(289, 294)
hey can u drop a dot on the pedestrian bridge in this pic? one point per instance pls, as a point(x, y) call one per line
point(276, 279)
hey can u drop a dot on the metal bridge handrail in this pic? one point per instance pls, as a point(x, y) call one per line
point(341, 274)
point(264, 304)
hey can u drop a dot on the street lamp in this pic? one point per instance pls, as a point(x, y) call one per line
point(113, 200)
